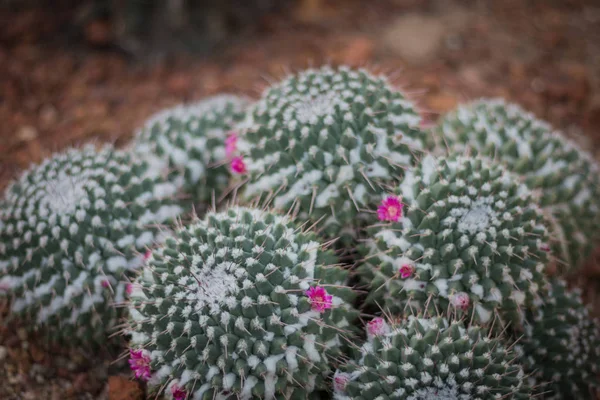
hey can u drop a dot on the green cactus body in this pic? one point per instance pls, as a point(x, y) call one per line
point(425, 359)
point(323, 143)
point(240, 305)
point(71, 230)
point(187, 144)
point(467, 238)
point(565, 177)
point(561, 345)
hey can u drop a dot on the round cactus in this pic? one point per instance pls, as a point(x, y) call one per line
point(457, 234)
point(239, 304)
point(187, 144)
point(566, 178)
point(561, 345)
point(71, 230)
point(323, 142)
point(433, 358)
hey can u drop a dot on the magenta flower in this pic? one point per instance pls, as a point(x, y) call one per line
point(147, 255)
point(178, 393)
point(238, 165)
point(377, 327)
point(319, 299)
point(129, 288)
point(340, 380)
point(139, 362)
point(406, 271)
point(105, 283)
point(390, 209)
point(231, 144)
point(461, 300)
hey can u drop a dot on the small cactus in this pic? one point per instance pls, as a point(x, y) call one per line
point(457, 234)
point(561, 345)
point(240, 304)
point(187, 144)
point(323, 142)
point(71, 230)
point(430, 358)
point(565, 177)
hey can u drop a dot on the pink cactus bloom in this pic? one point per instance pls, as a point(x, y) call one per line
point(319, 299)
point(178, 393)
point(390, 209)
point(129, 288)
point(231, 144)
point(377, 327)
point(406, 271)
point(139, 362)
point(238, 165)
point(147, 255)
point(340, 380)
point(461, 300)
point(105, 284)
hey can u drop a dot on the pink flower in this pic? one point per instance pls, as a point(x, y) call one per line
point(238, 166)
point(129, 288)
point(406, 271)
point(319, 299)
point(340, 380)
point(147, 255)
point(231, 144)
point(178, 393)
point(105, 283)
point(461, 300)
point(390, 209)
point(139, 362)
point(377, 327)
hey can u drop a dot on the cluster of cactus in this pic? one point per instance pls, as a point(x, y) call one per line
point(251, 300)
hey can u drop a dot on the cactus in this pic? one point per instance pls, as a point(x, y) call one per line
point(430, 358)
point(240, 304)
point(323, 142)
point(457, 234)
point(187, 143)
point(561, 345)
point(565, 177)
point(71, 231)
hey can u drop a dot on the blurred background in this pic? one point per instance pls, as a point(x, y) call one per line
point(78, 71)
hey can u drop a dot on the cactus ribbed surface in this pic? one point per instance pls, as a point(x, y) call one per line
point(561, 345)
point(323, 142)
point(71, 230)
point(459, 235)
point(187, 144)
point(242, 304)
point(430, 358)
point(566, 177)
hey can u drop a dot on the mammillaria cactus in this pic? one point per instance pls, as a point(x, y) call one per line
point(566, 177)
point(459, 234)
point(323, 142)
point(187, 143)
point(239, 304)
point(432, 358)
point(71, 229)
point(561, 345)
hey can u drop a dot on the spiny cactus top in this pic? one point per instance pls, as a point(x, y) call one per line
point(187, 143)
point(561, 345)
point(426, 359)
point(70, 228)
point(324, 141)
point(240, 304)
point(457, 233)
point(566, 177)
